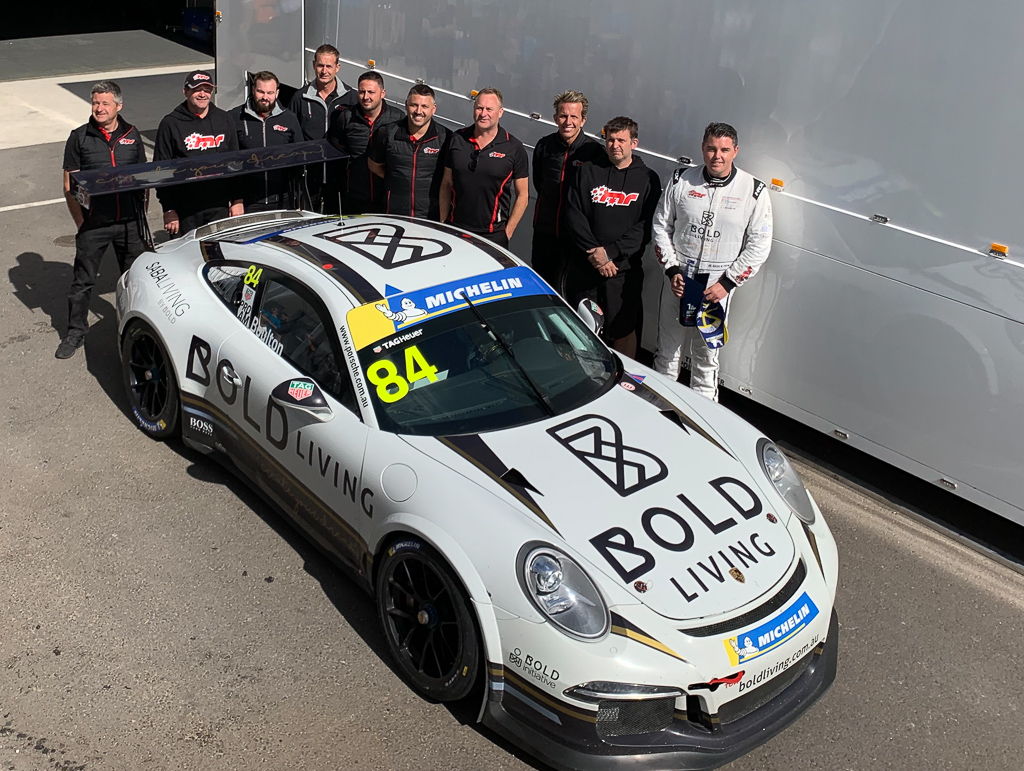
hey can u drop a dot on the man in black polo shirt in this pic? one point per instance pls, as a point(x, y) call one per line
point(555, 160)
point(196, 128)
point(262, 122)
point(106, 140)
point(351, 131)
point(408, 156)
point(484, 165)
point(313, 104)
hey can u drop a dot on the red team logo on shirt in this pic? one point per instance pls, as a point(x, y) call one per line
point(431, 150)
point(695, 194)
point(610, 197)
point(278, 127)
point(497, 155)
point(196, 141)
point(125, 141)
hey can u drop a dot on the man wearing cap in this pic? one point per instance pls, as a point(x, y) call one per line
point(712, 232)
point(486, 183)
point(111, 220)
point(262, 122)
point(196, 128)
point(408, 156)
point(352, 129)
point(555, 161)
point(313, 104)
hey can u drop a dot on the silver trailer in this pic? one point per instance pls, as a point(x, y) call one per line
point(882, 318)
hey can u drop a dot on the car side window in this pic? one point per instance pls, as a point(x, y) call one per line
point(227, 282)
point(298, 328)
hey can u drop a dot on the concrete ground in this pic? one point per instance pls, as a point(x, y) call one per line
point(156, 614)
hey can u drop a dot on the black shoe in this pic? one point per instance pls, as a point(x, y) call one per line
point(69, 345)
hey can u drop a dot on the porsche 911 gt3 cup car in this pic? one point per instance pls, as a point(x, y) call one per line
point(624, 573)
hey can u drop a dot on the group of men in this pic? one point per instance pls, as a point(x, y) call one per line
point(597, 207)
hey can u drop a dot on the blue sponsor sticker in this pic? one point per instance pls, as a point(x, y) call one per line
point(772, 633)
point(374, 321)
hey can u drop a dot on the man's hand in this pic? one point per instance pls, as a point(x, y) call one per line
point(599, 259)
point(171, 222)
point(677, 284)
point(715, 293)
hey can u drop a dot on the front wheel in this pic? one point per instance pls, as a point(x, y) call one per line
point(428, 625)
point(149, 382)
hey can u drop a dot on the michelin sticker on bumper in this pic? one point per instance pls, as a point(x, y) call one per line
point(772, 633)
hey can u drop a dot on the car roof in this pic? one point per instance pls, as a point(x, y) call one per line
point(375, 256)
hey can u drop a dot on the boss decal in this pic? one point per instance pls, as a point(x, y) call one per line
point(387, 244)
point(272, 423)
point(668, 533)
point(598, 443)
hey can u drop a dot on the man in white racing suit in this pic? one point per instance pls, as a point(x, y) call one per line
point(712, 231)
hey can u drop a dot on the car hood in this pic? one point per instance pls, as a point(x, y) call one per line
point(641, 486)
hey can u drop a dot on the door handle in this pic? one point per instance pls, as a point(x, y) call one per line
point(228, 376)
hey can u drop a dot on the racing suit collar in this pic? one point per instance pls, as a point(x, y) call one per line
point(718, 181)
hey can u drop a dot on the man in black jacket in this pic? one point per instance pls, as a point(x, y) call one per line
point(313, 104)
point(111, 220)
point(351, 131)
point(610, 208)
point(196, 128)
point(262, 122)
point(555, 160)
point(409, 156)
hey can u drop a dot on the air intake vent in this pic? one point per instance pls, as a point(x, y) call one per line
point(629, 718)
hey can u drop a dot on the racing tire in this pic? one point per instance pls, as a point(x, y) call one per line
point(429, 627)
point(149, 382)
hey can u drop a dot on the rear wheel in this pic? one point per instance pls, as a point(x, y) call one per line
point(427, 622)
point(149, 382)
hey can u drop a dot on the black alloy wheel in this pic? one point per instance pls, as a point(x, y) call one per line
point(429, 628)
point(149, 382)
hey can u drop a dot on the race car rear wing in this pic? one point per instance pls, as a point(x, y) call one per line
point(85, 185)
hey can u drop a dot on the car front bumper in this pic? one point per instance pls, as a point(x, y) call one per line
point(570, 739)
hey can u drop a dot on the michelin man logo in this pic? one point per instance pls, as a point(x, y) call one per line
point(748, 649)
point(409, 311)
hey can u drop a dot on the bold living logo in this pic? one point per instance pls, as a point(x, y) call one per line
point(387, 244)
point(598, 443)
point(196, 141)
point(707, 217)
point(609, 197)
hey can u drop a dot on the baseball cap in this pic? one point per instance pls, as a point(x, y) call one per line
point(198, 78)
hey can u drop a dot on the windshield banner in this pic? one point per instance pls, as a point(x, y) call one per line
point(404, 310)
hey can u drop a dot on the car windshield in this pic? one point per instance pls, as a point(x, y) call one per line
point(483, 365)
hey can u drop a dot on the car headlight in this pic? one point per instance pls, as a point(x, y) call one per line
point(782, 474)
point(563, 593)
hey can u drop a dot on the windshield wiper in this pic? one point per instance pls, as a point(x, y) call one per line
point(507, 348)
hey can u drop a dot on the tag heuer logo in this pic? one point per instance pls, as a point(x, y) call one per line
point(300, 389)
point(598, 443)
point(737, 574)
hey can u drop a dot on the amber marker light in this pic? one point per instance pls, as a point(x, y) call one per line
point(998, 250)
point(777, 184)
point(371, 63)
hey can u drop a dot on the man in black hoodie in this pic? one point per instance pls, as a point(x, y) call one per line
point(196, 128)
point(610, 208)
point(106, 140)
point(262, 122)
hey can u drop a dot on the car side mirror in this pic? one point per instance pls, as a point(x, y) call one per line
point(302, 395)
point(592, 315)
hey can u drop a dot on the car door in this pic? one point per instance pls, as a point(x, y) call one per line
point(292, 400)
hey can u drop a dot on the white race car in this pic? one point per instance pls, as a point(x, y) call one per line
point(622, 572)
